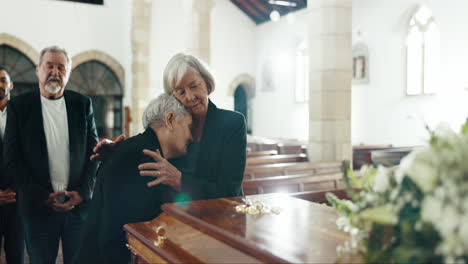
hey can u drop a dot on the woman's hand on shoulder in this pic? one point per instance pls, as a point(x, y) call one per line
point(161, 169)
point(105, 147)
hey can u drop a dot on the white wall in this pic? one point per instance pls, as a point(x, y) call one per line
point(76, 27)
point(232, 43)
point(232, 49)
point(169, 36)
point(381, 112)
point(81, 27)
point(276, 114)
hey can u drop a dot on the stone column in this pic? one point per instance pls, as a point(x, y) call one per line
point(141, 41)
point(330, 80)
point(198, 22)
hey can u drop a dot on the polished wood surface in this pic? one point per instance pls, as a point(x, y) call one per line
point(128, 120)
point(291, 183)
point(184, 244)
point(292, 168)
point(271, 159)
point(212, 231)
point(268, 170)
point(389, 157)
point(319, 196)
point(291, 148)
point(261, 153)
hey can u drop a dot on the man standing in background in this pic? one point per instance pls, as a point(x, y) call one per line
point(11, 229)
point(49, 138)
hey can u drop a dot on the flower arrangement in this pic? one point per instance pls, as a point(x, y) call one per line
point(416, 212)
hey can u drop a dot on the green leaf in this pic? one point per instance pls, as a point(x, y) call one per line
point(380, 215)
point(343, 207)
point(464, 128)
point(356, 183)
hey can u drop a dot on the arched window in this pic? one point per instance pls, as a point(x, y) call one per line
point(302, 73)
point(422, 53)
point(20, 68)
point(99, 82)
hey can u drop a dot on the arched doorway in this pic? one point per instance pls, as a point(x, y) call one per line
point(20, 68)
point(241, 104)
point(242, 88)
point(99, 82)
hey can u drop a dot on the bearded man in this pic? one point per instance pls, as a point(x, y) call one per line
point(49, 137)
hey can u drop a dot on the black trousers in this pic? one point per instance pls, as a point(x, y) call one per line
point(12, 232)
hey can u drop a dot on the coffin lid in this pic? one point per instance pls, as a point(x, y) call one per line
point(303, 232)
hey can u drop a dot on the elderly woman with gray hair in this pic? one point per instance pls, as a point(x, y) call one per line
point(215, 162)
point(121, 195)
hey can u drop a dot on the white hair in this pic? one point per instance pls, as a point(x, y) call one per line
point(56, 49)
point(158, 108)
point(182, 63)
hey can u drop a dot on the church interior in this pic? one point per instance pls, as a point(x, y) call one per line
point(318, 81)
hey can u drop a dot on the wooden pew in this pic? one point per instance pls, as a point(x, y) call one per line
point(261, 153)
point(291, 183)
point(324, 167)
point(267, 146)
point(252, 146)
point(389, 157)
point(267, 170)
point(270, 159)
point(291, 168)
point(289, 148)
point(304, 149)
point(362, 154)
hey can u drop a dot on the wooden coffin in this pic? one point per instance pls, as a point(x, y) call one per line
point(211, 231)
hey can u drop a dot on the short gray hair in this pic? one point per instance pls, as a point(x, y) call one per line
point(159, 107)
point(56, 49)
point(179, 65)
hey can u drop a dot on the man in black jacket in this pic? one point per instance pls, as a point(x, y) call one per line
point(49, 137)
point(11, 229)
point(122, 195)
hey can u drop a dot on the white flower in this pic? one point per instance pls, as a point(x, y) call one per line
point(422, 170)
point(381, 181)
point(449, 222)
point(440, 171)
point(431, 209)
point(405, 164)
point(463, 232)
point(443, 130)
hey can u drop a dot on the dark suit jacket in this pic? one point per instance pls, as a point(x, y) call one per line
point(26, 156)
point(4, 181)
point(221, 161)
point(121, 197)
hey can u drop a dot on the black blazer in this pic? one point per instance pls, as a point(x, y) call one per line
point(221, 159)
point(26, 157)
point(5, 183)
point(121, 197)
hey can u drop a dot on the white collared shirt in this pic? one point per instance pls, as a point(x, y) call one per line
point(54, 115)
point(3, 118)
